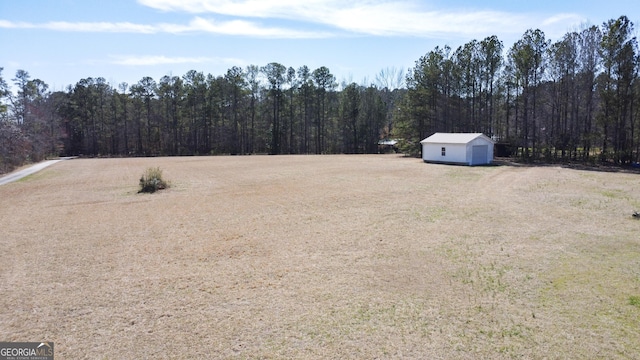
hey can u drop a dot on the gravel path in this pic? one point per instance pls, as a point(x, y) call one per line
point(17, 175)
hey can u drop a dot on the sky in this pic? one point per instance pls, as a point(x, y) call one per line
point(63, 41)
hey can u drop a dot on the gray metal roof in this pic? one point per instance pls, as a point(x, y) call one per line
point(453, 138)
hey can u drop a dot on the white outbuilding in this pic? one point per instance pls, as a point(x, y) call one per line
point(458, 148)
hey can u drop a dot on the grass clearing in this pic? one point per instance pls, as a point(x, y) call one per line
point(321, 257)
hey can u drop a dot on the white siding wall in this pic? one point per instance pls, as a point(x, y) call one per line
point(459, 148)
point(455, 153)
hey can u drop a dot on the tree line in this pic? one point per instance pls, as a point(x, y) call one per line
point(271, 109)
point(575, 99)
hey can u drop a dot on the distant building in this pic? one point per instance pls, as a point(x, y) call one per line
point(387, 146)
point(458, 148)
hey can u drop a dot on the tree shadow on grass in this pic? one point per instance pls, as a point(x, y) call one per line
point(611, 168)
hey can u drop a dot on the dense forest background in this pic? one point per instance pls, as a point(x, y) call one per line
point(576, 99)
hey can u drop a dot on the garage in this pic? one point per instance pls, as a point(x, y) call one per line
point(458, 148)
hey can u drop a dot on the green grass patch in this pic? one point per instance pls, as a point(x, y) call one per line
point(634, 301)
point(612, 194)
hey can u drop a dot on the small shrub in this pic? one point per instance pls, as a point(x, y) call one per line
point(634, 300)
point(151, 181)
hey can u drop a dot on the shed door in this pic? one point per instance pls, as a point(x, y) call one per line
point(479, 154)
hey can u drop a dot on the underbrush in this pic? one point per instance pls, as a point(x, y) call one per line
point(152, 181)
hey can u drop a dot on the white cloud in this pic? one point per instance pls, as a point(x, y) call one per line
point(122, 27)
point(563, 20)
point(247, 28)
point(151, 60)
point(289, 9)
point(557, 26)
point(386, 20)
point(15, 25)
point(356, 17)
point(198, 24)
point(371, 17)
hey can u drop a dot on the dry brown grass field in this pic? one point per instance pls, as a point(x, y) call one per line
point(318, 257)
